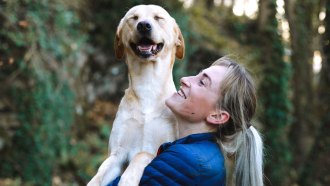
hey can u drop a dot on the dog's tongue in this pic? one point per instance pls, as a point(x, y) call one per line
point(147, 47)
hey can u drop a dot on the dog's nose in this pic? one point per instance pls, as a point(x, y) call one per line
point(144, 27)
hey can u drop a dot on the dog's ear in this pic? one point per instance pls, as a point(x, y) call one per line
point(180, 47)
point(118, 45)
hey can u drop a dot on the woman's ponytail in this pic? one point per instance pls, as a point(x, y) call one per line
point(249, 168)
point(240, 142)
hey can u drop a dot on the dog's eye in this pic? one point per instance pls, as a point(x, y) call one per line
point(158, 18)
point(135, 17)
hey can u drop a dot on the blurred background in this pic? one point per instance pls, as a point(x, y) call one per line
point(60, 84)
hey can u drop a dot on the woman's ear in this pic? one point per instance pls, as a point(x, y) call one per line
point(218, 118)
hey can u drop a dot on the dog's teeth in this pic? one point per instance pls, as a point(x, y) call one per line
point(145, 48)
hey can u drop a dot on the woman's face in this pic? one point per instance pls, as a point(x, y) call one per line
point(198, 95)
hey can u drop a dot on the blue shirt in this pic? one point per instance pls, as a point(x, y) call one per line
point(192, 160)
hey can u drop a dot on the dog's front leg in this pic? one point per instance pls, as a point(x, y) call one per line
point(134, 171)
point(108, 171)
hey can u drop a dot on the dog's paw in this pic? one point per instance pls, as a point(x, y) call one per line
point(128, 182)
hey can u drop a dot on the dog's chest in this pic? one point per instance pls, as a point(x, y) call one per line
point(142, 113)
point(142, 130)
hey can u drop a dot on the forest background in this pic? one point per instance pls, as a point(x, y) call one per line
point(60, 84)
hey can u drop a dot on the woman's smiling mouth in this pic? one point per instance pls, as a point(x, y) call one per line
point(182, 94)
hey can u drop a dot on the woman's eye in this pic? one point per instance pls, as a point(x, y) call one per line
point(201, 82)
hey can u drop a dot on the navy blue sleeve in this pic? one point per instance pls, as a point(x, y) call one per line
point(175, 166)
point(114, 182)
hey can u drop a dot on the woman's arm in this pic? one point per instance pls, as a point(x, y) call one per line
point(176, 166)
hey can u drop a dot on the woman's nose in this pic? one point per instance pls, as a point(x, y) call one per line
point(185, 81)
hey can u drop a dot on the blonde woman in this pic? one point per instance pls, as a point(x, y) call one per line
point(217, 145)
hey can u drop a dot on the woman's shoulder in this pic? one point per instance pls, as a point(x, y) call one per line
point(188, 163)
point(205, 157)
point(200, 153)
point(197, 146)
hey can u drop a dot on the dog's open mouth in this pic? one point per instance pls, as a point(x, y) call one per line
point(146, 48)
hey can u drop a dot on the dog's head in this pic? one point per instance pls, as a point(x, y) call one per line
point(148, 32)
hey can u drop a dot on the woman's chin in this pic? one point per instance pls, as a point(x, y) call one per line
point(169, 103)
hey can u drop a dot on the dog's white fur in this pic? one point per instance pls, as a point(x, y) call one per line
point(143, 122)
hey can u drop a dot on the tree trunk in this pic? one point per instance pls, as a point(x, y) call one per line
point(264, 14)
point(299, 15)
point(273, 93)
point(317, 168)
point(209, 4)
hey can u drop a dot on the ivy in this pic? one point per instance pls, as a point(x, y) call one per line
point(274, 100)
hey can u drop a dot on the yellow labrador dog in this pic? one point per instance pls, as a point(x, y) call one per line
point(149, 39)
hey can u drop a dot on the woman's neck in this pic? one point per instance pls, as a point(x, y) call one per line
point(186, 128)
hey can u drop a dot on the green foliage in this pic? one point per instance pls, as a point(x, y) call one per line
point(46, 116)
point(45, 42)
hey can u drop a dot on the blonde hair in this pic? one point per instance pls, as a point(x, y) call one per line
point(239, 140)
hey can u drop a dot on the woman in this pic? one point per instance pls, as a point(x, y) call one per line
point(217, 145)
